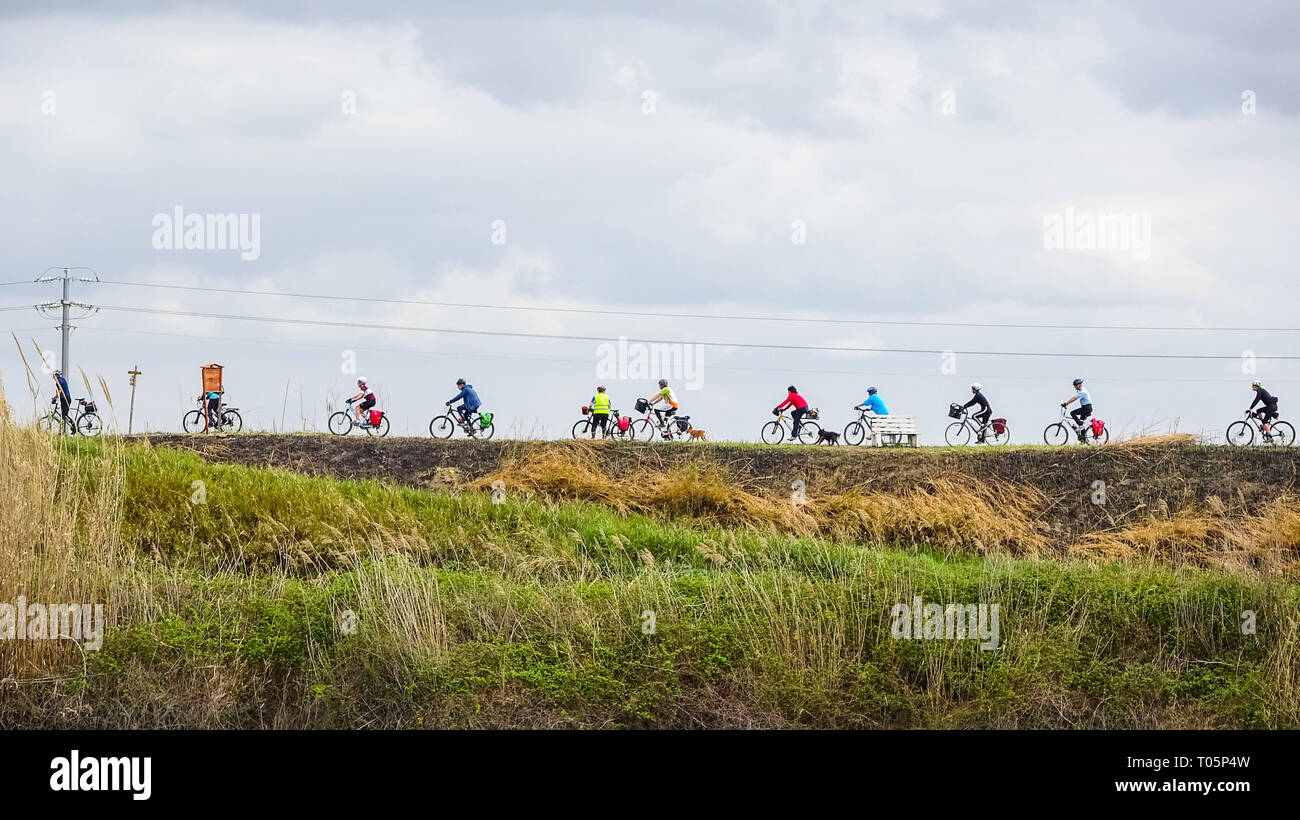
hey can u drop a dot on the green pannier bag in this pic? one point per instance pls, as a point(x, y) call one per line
point(484, 420)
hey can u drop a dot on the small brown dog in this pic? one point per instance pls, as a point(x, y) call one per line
point(697, 435)
point(827, 437)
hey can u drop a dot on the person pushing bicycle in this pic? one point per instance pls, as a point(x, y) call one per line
point(64, 399)
point(600, 411)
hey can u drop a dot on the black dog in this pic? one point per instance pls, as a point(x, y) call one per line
point(827, 437)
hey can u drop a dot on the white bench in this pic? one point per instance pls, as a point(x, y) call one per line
point(894, 430)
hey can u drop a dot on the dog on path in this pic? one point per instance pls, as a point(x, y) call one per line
point(827, 437)
point(697, 435)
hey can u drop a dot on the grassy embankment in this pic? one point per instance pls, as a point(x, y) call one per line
point(529, 613)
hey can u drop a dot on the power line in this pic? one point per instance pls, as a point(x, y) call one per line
point(739, 345)
point(587, 362)
point(708, 316)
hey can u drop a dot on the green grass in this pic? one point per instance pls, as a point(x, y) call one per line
point(524, 613)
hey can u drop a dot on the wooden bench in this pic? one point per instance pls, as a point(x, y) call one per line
point(894, 431)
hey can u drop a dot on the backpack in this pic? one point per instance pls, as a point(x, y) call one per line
point(376, 416)
point(1098, 426)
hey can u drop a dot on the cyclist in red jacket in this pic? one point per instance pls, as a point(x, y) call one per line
point(800, 405)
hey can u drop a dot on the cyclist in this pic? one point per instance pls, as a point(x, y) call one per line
point(213, 398)
point(599, 411)
point(873, 403)
point(1083, 410)
point(468, 399)
point(65, 399)
point(1269, 411)
point(800, 405)
point(365, 394)
point(985, 411)
point(669, 398)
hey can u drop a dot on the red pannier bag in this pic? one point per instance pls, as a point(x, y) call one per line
point(376, 416)
point(1097, 426)
point(999, 426)
point(624, 422)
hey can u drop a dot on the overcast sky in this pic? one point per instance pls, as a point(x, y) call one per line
point(895, 162)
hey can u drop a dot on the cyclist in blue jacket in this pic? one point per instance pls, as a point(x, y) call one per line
point(468, 398)
point(873, 403)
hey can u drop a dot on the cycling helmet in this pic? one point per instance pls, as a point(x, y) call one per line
point(1255, 383)
point(60, 373)
point(975, 386)
point(361, 379)
point(871, 389)
point(792, 389)
point(460, 382)
point(663, 382)
point(600, 389)
point(1078, 382)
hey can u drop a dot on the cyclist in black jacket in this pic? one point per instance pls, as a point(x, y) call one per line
point(1269, 411)
point(985, 411)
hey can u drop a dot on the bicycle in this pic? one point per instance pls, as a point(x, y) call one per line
point(958, 433)
point(341, 423)
point(84, 420)
point(1059, 432)
point(474, 424)
point(774, 432)
point(582, 428)
point(223, 419)
point(658, 424)
point(1242, 433)
point(859, 430)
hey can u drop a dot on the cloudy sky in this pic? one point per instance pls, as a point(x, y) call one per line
point(884, 173)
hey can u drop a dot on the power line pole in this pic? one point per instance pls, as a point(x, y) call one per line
point(66, 304)
point(133, 372)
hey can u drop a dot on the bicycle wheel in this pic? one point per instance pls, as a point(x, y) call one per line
point(380, 429)
point(998, 439)
point(192, 422)
point(231, 421)
point(644, 430)
point(1283, 433)
point(50, 423)
point(1240, 434)
point(340, 424)
point(482, 432)
point(1057, 434)
point(808, 432)
point(957, 434)
point(442, 427)
point(582, 428)
point(855, 432)
point(90, 425)
point(773, 432)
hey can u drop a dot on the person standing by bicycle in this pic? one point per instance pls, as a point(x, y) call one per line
point(873, 403)
point(800, 405)
point(1266, 413)
point(64, 398)
point(600, 411)
point(669, 398)
point(366, 396)
point(985, 412)
point(1083, 411)
point(468, 398)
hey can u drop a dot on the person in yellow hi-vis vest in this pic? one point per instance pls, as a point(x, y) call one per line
point(600, 412)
